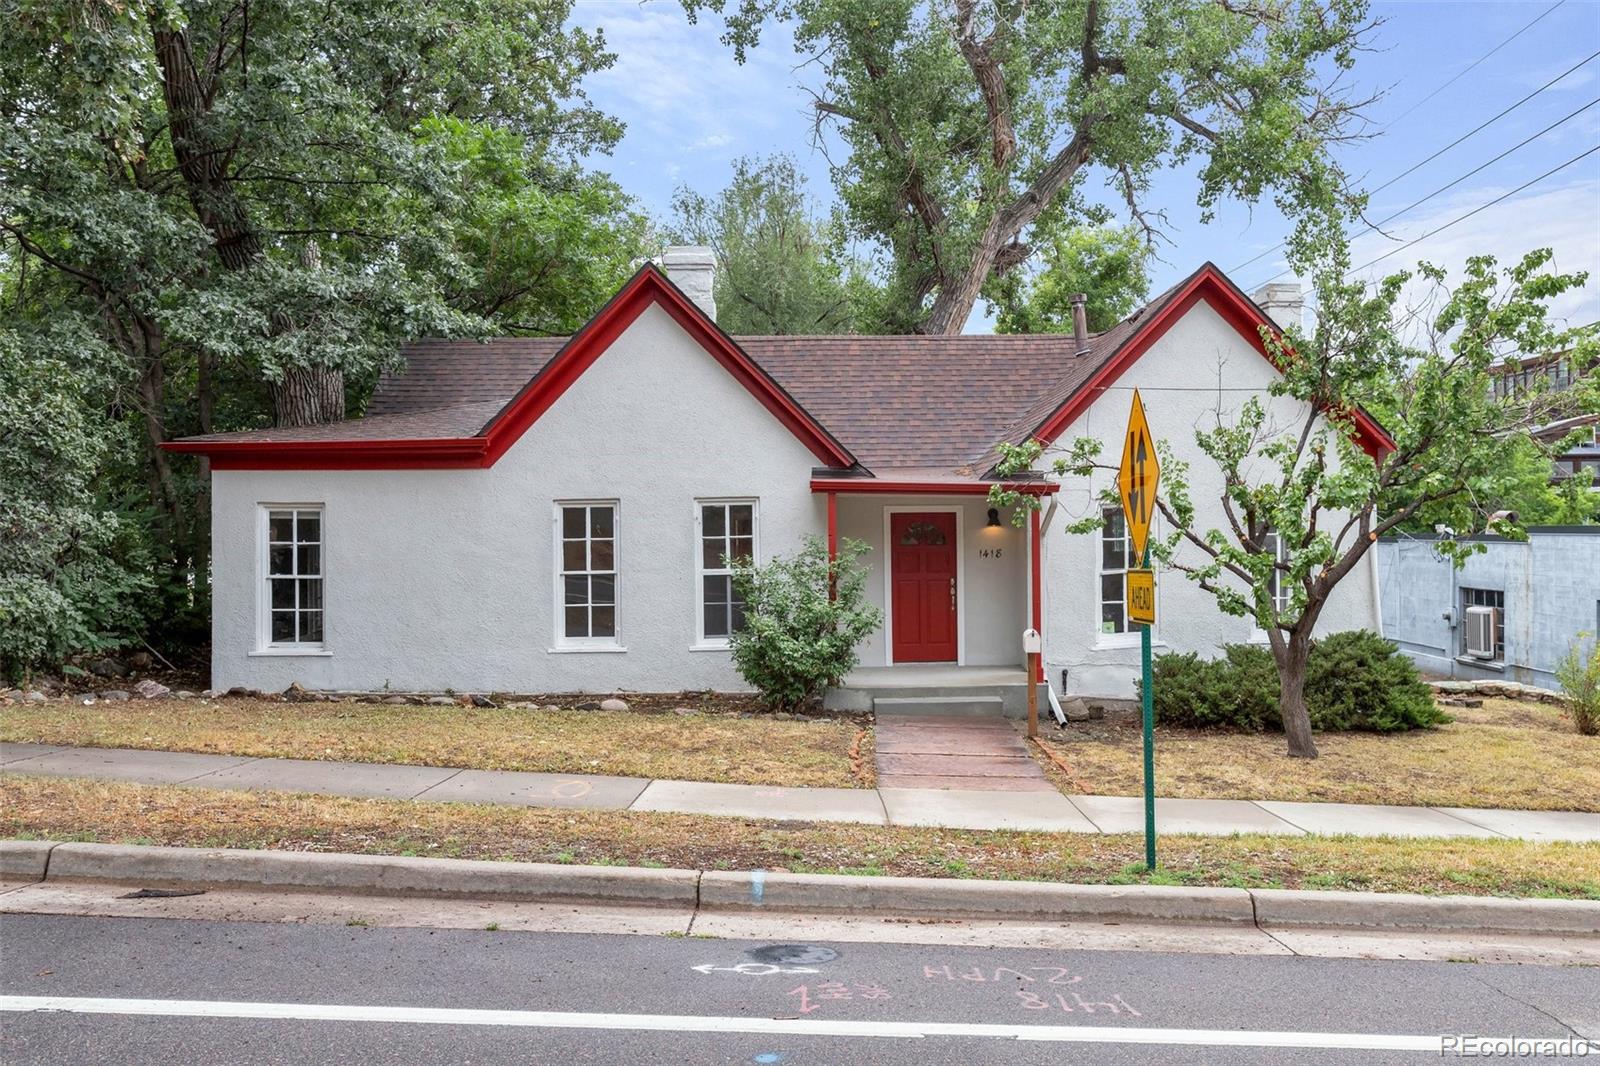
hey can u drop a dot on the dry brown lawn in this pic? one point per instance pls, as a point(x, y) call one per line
point(705, 746)
point(77, 809)
point(1505, 754)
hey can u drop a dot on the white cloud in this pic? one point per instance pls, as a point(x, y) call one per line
point(1565, 218)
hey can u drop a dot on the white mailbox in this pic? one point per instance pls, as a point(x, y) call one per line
point(1031, 642)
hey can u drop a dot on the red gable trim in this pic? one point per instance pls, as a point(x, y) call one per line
point(874, 486)
point(648, 286)
point(1212, 286)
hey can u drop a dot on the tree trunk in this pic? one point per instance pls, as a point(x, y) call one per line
point(1292, 659)
point(306, 396)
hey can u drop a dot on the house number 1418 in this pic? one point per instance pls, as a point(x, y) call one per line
point(990, 553)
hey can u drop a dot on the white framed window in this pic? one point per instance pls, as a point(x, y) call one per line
point(725, 530)
point(586, 573)
point(1116, 558)
point(289, 615)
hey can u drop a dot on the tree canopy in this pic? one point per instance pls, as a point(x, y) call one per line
point(221, 214)
point(969, 125)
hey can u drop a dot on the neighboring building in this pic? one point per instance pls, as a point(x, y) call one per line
point(1556, 374)
point(1543, 592)
point(550, 515)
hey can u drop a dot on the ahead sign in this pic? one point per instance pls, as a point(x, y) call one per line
point(1138, 477)
point(1142, 596)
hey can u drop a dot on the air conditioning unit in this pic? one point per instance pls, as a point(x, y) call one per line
point(1480, 632)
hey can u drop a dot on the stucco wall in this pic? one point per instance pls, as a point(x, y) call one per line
point(993, 601)
point(1199, 369)
point(444, 579)
point(1551, 584)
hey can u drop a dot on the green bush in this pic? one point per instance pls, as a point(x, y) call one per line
point(1237, 691)
point(1358, 680)
point(1579, 675)
point(797, 639)
point(1354, 681)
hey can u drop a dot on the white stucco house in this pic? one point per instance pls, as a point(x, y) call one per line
point(549, 515)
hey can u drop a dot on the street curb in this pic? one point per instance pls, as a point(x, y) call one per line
point(778, 891)
point(1355, 910)
point(25, 860)
point(371, 874)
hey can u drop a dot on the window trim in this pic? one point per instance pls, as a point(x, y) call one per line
point(1130, 637)
point(264, 644)
point(701, 641)
point(1281, 596)
point(560, 642)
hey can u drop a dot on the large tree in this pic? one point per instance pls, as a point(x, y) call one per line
point(781, 269)
point(241, 207)
point(967, 122)
point(1301, 502)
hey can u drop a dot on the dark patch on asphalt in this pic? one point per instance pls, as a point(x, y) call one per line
point(793, 954)
point(163, 893)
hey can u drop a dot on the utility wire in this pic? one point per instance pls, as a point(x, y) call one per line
point(1482, 207)
point(1476, 129)
point(1537, 18)
point(1450, 185)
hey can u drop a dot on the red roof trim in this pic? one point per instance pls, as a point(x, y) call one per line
point(648, 286)
point(874, 486)
point(1211, 285)
point(449, 452)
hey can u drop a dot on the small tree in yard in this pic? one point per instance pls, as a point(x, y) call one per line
point(797, 638)
point(1579, 676)
point(1303, 503)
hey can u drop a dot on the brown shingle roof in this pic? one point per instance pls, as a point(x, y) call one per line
point(896, 402)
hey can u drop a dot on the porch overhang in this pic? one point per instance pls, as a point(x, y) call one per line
point(868, 486)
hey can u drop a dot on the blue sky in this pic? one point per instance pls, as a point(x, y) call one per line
point(691, 110)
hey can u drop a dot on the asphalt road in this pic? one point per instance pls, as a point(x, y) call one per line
point(590, 991)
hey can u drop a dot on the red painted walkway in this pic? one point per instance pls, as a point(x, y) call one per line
point(990, 753)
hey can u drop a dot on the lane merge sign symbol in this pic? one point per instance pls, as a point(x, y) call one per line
point(1138, 478)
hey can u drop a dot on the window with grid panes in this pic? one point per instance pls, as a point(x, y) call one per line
point(588, 578)
point(727, 534)
point(294, 577)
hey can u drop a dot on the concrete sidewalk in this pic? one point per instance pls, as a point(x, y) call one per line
point(944, 808)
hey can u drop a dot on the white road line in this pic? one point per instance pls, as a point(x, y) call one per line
point(691, 1023)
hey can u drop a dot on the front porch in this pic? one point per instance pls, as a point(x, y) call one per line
point(957, 581)
point(933, 689)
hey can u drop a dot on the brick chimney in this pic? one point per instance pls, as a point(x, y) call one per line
point(693, 269)
point(1080, 324)
point(1283, 303)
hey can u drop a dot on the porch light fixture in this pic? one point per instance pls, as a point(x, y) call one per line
point(994, 518)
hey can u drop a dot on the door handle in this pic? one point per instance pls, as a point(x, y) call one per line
point(952, 594)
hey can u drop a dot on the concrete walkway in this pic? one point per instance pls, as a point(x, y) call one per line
point(941, 807)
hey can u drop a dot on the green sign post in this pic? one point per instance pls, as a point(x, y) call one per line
point(1137, 480)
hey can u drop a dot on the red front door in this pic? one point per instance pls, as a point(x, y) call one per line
point(922, 565)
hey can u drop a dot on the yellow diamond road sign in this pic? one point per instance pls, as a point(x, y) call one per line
point(1138, 477)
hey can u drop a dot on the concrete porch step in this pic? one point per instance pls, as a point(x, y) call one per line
point(941, 706)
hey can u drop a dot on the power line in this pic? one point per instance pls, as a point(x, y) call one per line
point(1452, 184)
point(1474, 211)
point(1537, 18)
point(1491, 121)
point(1476, 129)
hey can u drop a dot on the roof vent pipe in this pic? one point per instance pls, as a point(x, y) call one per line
point(1080, 324)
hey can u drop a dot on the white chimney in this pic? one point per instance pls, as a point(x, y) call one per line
point(693, 269)
point(1283, 303)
